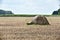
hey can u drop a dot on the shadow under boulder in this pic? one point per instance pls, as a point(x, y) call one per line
point(40, 20)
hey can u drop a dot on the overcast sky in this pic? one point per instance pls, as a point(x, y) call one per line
point(30, 6)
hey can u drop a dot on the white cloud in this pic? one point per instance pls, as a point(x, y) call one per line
point(30, 6)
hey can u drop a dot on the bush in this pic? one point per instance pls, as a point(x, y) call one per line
point(59, 11)
point(55, 13)
point(5, 12)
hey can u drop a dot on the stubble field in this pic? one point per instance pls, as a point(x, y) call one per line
point(15, 28)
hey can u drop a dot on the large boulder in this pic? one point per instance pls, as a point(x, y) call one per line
point(41, 20)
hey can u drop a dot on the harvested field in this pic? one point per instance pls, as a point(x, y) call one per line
point(15, 28)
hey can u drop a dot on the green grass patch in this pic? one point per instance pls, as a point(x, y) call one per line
point(22, 15)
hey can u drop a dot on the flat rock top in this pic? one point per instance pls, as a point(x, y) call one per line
point(15, 28)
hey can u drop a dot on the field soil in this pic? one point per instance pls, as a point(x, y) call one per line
point(15, 28)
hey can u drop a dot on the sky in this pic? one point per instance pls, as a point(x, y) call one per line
point(30, 6)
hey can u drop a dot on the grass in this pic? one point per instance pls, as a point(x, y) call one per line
point(15, 28)
point(16, 15)
point(22, 15)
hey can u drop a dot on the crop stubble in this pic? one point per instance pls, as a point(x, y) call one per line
point(15, 28)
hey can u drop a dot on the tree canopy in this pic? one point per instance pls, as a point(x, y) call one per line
point(5, 12)
point(57, 12)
